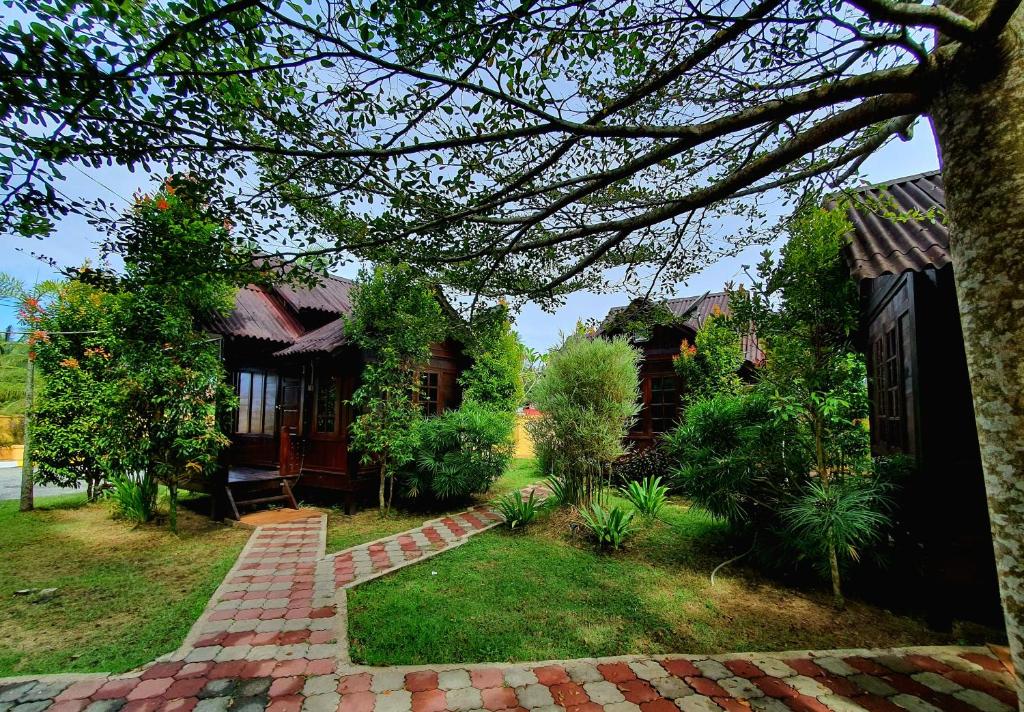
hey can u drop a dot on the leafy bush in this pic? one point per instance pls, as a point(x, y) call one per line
point(611, 527)
point(649, 496)
point(133, 496)
point(395, 316)
point(587, 396)
point(639, 463)
point(711, 365)
point(735, 460)
point(518, 512)
point(460, 452)
point(495, 378)
point(74, 438)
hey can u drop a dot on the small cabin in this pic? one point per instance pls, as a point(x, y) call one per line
point(920, 391)
point(659, 386)
point(294, 371)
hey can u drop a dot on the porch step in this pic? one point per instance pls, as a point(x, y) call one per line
point(285, 496)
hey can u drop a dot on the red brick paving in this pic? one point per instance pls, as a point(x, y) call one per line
point(291, 555)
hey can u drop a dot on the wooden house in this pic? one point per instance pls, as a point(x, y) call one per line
point(920, 392)
point(287, 355)
point(659, 386)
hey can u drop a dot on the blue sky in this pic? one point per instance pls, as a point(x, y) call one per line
point(75, 240)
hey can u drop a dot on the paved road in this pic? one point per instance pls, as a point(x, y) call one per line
point(10, 485)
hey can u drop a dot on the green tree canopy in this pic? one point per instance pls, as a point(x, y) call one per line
point(395, 317)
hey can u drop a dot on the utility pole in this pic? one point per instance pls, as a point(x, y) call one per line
point(27, 503)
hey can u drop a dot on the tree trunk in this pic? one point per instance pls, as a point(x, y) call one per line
point(172, 495)
point(825, 477)
point(979, 127)
point(380, 494)
point(27, 501)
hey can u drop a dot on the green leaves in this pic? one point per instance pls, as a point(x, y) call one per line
point(610, 528)
point(460, 452)
point(587, 395)
point(395, 317)
point(518, 512)
point(648, 496)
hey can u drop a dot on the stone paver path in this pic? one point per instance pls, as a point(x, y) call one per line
point(273, 638)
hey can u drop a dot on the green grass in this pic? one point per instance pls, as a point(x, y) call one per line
point(344, 531)
point(547, 594)
point(124, 594)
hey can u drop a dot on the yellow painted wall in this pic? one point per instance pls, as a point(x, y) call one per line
point(521, 436)
point(13, 452)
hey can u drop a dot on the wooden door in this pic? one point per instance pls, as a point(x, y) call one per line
point(327, 433)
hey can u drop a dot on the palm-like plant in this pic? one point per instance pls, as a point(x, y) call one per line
point(832, 520)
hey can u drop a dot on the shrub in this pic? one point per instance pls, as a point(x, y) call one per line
point(460, 452)
point(648, 496)
point(133, 496)
point(711, 364)
point(495, 378)
point(395, 316)
point(587, 395)
point(735, 460)
point(518, 512)
point(611, 527)
point(639, 463)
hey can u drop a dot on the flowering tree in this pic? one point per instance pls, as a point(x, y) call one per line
point(711, 364)
point(182, 265)
point(73, 428)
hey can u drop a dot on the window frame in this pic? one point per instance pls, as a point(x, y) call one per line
point(428, 404)
point(260, 422)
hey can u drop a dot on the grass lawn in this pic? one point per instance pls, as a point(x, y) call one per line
point(344, 530)
point(543, 594)
point(124, 594)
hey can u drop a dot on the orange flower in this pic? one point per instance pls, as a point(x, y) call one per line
point(69, 363)
point(161, 203)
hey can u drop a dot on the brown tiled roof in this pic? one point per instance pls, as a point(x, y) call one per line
point(705, 307)
point(258, 315)
point(333, 295)
point(882, 242)
point(275, 314)
point(326, 339)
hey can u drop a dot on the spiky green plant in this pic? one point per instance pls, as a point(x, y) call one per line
point(133, 497)
point(841, 515)
point(610, 527)
point(648, 496)
point(518, 512)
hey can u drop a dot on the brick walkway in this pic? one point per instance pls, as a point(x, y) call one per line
point(274, 638)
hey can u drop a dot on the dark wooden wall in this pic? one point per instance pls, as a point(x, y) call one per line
point(311, 395)
point(944, 558)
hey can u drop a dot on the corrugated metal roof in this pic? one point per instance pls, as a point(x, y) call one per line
point(332, 295)
point(706, 304)
point(258, 315)
point(326, 339)
point(883, 242)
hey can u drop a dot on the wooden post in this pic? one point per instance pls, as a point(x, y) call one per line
point(27, 503)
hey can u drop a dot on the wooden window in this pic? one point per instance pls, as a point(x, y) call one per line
point(429, 395)
point(889, 405)
point(326, 419)
point(664, 403)
point(257, 401)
